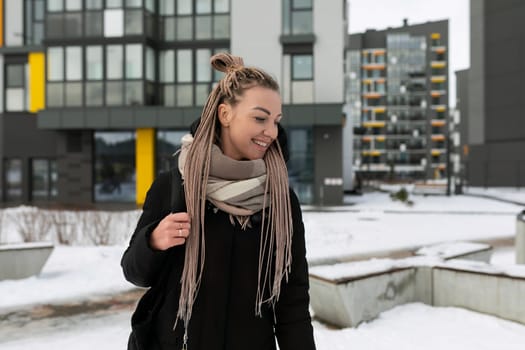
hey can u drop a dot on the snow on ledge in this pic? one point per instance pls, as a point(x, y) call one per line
point(28, 245)
point(450, 250)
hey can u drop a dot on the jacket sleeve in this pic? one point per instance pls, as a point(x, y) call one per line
point(142, 264)
point(293, 327)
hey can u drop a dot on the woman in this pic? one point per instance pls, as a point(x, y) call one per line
point(230, 273)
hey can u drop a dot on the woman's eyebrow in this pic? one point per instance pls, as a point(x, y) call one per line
point(266, 111)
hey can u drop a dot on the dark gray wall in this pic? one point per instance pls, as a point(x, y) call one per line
point(496, 104)
point(328, 163)
point(20, 138)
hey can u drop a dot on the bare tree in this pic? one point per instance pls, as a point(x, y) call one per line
point(97, 226)
point(32, 224)
point(65, 228)
point(1, 225)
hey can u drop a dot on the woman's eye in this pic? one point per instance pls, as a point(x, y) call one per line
point(260, 119)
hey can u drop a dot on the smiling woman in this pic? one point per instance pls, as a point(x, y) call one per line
point(226, 264)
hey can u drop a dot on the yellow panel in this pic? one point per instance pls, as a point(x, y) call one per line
point(438, 64)
point(438, 79)
point(37, 81)
point(380, 110)
point(436, 36)
point(145, 162)
point(436, 152)
point(375, 153)
point(1, 23)
point(438, 122)
point(441, 109)
point(380, 138)
point(374, 124)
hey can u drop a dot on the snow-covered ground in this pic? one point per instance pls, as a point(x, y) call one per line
point(370, 223)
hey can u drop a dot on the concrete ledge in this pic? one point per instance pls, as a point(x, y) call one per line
point(345, 295)
point(23, 260)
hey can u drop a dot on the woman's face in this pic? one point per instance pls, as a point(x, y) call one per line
point(249, 127)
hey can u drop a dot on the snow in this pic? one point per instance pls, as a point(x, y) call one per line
point(365, 226)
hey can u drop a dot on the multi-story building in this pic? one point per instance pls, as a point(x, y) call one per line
point(491, 103)
point(96, 94)
point(397, 103)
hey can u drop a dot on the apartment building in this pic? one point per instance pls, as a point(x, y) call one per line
point(396, 95)
point(98, 93)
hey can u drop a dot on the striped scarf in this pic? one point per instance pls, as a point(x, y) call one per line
point(236, 187)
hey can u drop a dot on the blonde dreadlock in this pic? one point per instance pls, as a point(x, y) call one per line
point(276, 232)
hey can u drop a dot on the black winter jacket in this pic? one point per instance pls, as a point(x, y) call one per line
point(223, 315)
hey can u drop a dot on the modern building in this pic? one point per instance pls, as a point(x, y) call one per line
point(492, 105)
point(397, 103)
point(96, 94)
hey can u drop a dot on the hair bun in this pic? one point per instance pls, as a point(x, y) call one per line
point(225, 62)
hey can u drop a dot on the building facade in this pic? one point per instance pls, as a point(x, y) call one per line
point(98, 93)
point(397, 104)
point(492, 104)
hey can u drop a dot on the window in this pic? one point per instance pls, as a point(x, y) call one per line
point(302, 88)
point(297, 17)
point(94, 63)
point(301, 164)
point(43, 179)
point(113, 23)
point(34, 21)
point(15, 92)
point(302, 67)
point(168, 142)
point(114, 167)
point(13, 179)
point(133, 63)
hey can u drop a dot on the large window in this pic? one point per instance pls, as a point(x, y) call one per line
point(302, 84)
point(114, 167)
point(34, 21)
point(186, 76)
point(168, 142)
point(297, 17)
point(15, 87)
point(13, 179)
point(301, 165)
point(194, 20)
point(114, 75)
point(43, 179)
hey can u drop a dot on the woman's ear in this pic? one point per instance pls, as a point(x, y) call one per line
point(225, 114)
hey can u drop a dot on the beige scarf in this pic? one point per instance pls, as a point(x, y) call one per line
point(236, 187)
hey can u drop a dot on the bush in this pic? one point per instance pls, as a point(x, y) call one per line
point(402, 196)
point(32, 223)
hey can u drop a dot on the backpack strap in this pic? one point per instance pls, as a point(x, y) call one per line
point(178, 200)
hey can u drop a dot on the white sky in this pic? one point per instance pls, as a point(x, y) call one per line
point(380, 14)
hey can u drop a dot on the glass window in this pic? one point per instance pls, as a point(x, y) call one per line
point(133, 61)
point(302, 22)
point(94, 62)
point(221, 27)
point(15, 75)
point(169, 28)
point(39, 9)
point(13, 178)
point(184, 7)
point(133, 22)
point(40, 179)
point(169, 95)
point(302, 67)
point(15, 99)
point(150, 5)
point(73, 63)
point(167, 7)
point(94, 94)
point(150, 64)
point(54, 25)
point(184, 28)
point(114, 61)
point(184, 95)
point(201, 94)
point(134, 93)
point(203, 27)
point(73, 25)
point(55, 94)
point(133, 3)
point(73, 5)
point(73, 94)
point(184, 66)
point(301, 4)
point(203, 6)
point(167, 66)
point(114, 93)
point(38, 33)
point(55, 5)
point(114, 167)
point(113, 23)
point(203, 65)
point(114, 3)
point(93, 4)
point(222, 6)
point(55, 63)
point(93, 23)
point(168, 142)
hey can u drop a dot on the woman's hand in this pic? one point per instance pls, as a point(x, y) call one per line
point(171, 231)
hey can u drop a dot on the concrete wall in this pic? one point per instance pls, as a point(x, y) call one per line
point(255, 31)
point(14, 23)
point(22, 261)
point(329, 32)
point(476, 131)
